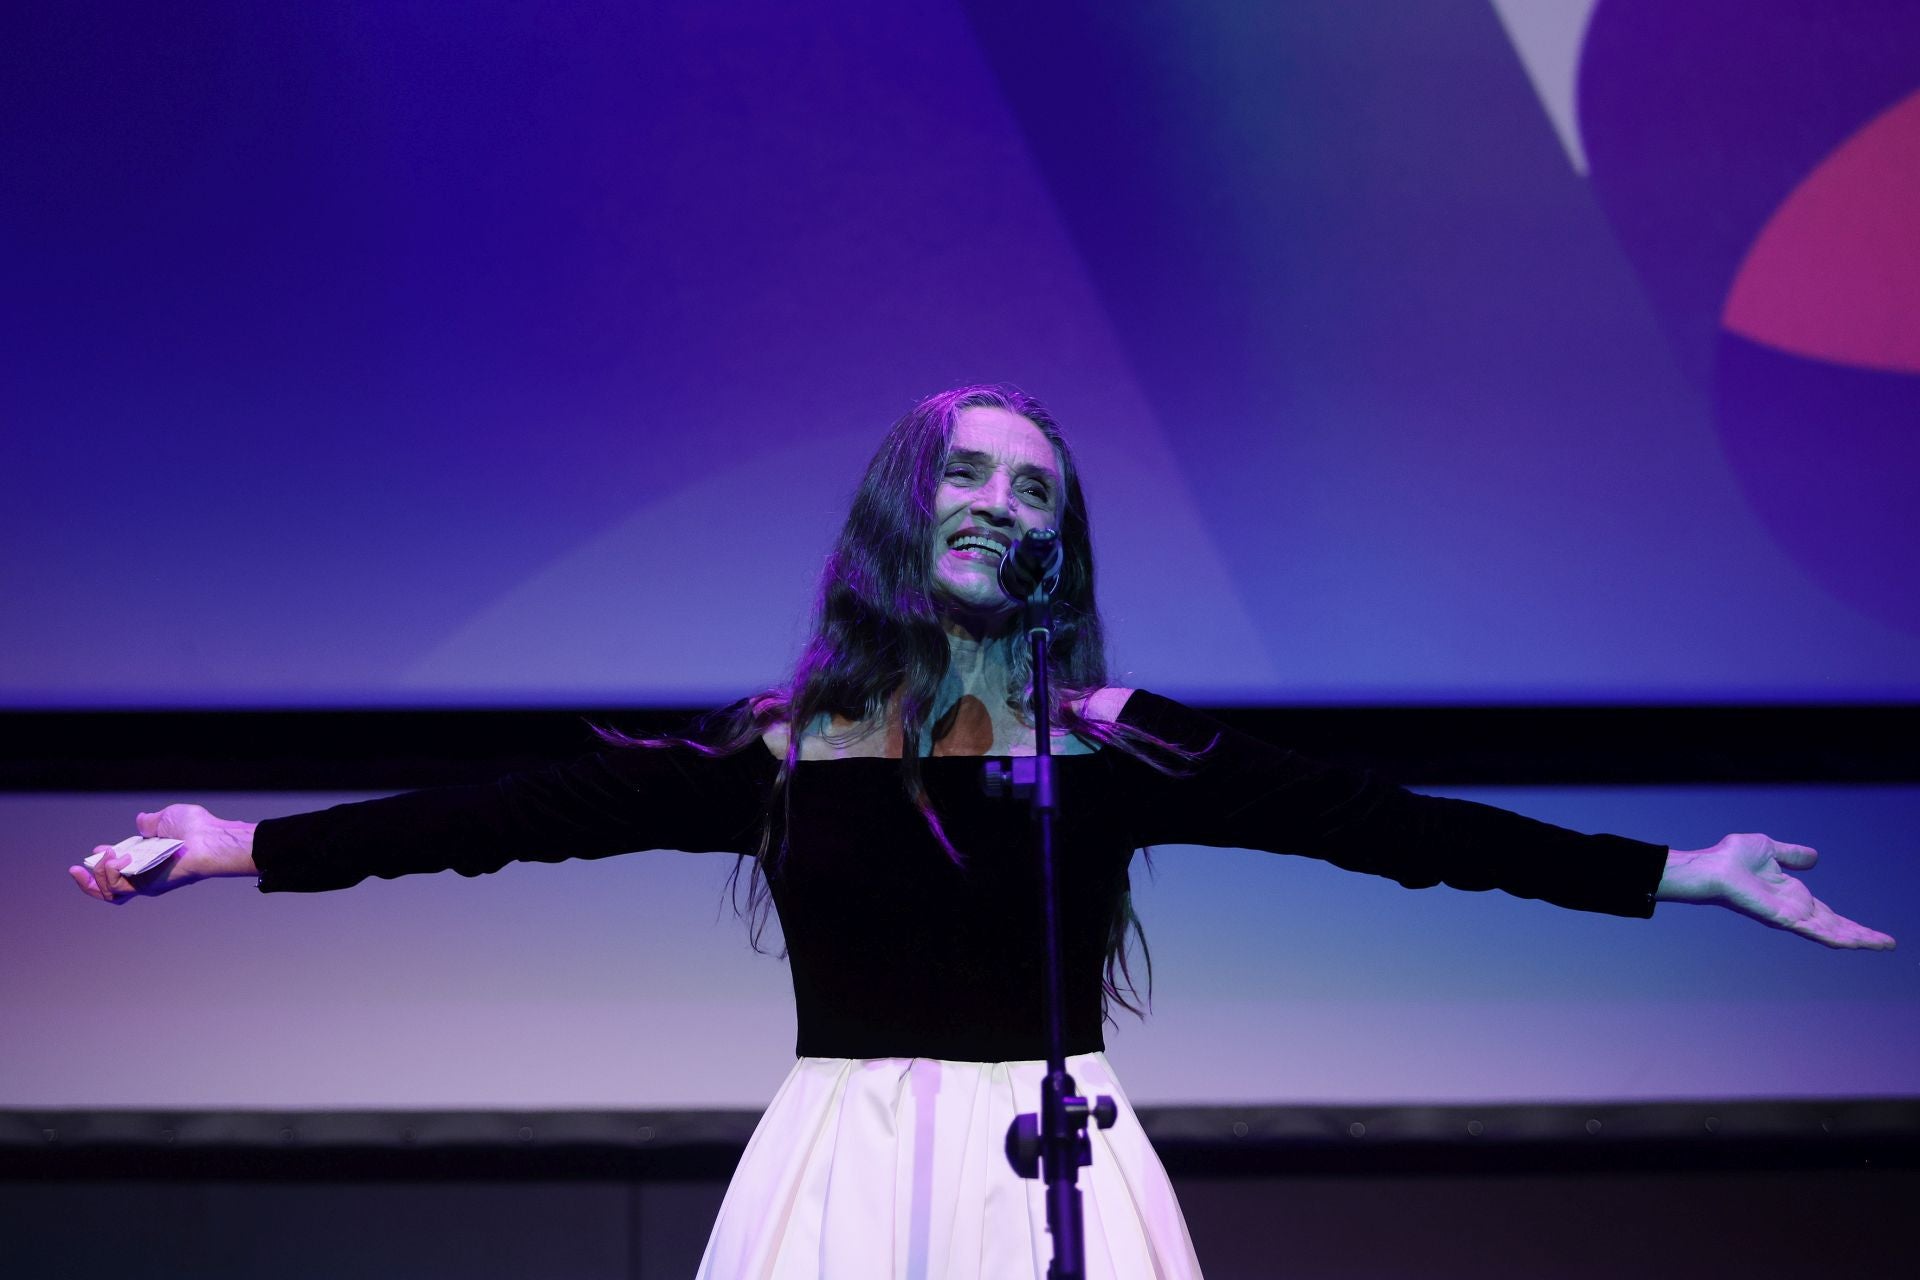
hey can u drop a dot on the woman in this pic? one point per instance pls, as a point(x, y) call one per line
point(904, 896)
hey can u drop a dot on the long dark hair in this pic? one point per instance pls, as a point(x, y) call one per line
point(878, 646)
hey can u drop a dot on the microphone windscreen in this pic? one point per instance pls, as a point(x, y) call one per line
point(1032, 563)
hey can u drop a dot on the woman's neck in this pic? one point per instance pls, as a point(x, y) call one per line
point(970, 713)
point(977, 667)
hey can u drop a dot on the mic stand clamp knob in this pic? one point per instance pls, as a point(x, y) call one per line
point(1023, 1135)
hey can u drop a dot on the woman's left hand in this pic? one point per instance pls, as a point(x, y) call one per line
point(1749, 874)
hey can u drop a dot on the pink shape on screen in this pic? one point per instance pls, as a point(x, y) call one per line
point(1835, 273)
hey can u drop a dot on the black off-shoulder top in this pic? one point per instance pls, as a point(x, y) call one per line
point(897, 950)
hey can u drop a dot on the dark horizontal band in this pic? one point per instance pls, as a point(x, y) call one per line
point(1792, 1133)
point(385, 750)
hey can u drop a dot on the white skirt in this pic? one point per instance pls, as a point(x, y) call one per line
point(895, 1169)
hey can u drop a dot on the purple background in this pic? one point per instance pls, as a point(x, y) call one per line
point(362, 354)
point(379, 354)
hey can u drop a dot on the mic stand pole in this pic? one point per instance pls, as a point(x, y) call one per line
point(1054, 1144)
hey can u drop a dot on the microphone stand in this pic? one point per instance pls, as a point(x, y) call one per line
point(1054, 1143)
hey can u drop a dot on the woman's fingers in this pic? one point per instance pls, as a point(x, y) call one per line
point(84, 878)
point(1797, 856)
point(83, 874)
point(103, 880)
point(118, 888)
point(1826, 925)
point(1786, 903)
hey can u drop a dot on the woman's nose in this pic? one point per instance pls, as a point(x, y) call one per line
point(994, 498)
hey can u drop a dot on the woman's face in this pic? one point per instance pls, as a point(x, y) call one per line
point(1001, 478)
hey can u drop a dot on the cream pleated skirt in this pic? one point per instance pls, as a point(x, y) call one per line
point(895, 1169)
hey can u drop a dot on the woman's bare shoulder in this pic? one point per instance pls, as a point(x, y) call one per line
point(829, 740)
point(1104, 706)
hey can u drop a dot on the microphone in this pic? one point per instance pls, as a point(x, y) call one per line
point(1032, 564)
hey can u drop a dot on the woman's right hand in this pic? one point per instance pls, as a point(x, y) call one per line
point(213, 847)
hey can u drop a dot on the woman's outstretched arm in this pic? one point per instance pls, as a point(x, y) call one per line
point(1748, 874)
point(595, 806)
point(213, 847)
point(1245, 793)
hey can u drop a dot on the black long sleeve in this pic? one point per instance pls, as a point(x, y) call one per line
point(1247, 794)
point(609, 803)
